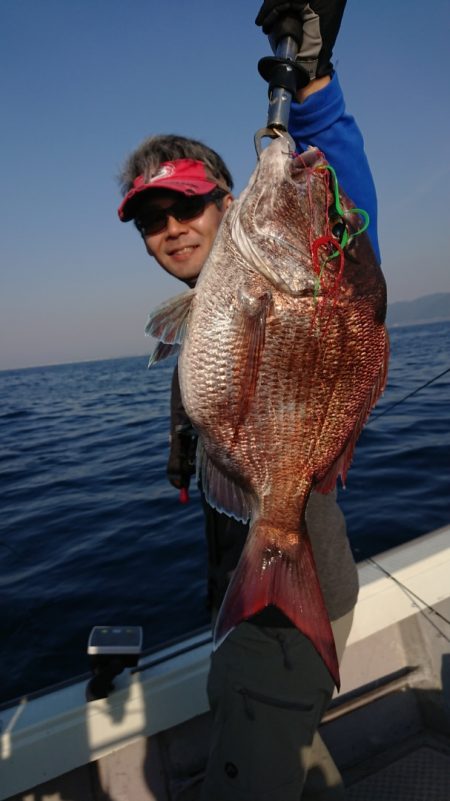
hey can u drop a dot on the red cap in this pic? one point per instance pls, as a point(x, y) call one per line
point(182, 175)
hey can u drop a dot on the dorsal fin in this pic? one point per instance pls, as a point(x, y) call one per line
point(168, 324)
point(340, 467)
point(162, 351)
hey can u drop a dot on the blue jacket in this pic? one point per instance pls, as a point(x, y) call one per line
point(321, 120)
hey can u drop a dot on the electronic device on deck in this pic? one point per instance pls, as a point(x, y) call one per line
point(111, 649)
point(115, 640)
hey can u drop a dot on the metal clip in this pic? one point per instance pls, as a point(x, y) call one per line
point(272, 133)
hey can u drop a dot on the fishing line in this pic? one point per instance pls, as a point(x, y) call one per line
point(416, 597)
point(409, 395)
point(346, 239)
point(338, 241)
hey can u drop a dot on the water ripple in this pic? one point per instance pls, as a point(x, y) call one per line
point(92, 533)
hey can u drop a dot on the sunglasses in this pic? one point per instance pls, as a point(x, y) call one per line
point(153, 219)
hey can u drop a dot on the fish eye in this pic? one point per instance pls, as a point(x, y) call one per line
point(338, 229)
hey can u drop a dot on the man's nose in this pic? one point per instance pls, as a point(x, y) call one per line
point(175, 227)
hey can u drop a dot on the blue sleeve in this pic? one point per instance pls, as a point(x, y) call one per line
point(322, 121)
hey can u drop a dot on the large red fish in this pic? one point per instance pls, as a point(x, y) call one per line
point(284, 353)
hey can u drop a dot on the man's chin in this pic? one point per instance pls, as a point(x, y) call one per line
point(184, 271)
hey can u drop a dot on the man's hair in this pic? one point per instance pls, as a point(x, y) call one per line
point(146, 159)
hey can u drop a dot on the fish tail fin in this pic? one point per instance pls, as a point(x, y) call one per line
point(283, 577)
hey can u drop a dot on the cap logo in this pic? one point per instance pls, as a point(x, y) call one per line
point(164, 172)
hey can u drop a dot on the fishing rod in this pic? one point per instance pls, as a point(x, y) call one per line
point(409, 395)
point(407, 590)
point(416, 599)
point(284, 77)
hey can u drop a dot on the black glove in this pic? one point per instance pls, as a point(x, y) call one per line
point(318, 21)
point(280, 18)
point(181, 464)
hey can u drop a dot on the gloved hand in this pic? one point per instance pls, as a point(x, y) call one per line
point(181, 464)
point(314, 25)
point(280, 18)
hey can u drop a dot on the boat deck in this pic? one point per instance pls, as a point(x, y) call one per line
point(421, 773)
point(388, 730)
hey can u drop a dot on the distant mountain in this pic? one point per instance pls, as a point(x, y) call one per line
point(422, 310)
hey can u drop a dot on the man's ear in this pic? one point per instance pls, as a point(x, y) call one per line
point(227, 201)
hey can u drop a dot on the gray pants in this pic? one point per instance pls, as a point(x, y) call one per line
point(268, 690)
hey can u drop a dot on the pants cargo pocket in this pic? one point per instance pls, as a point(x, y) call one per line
point(263, 723)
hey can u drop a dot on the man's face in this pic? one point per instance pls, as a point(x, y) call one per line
point(182, 248)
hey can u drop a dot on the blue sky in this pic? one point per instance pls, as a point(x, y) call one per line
point(85, 81)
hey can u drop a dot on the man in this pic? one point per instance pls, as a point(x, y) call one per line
point(268, 687)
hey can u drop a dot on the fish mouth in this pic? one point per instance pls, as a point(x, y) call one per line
point(259, 226)
point(309, 159)
point(264, 226)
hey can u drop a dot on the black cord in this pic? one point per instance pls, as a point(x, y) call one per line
point(409, 395)
point(415, 596)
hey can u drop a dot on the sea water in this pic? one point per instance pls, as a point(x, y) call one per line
point(92, 533)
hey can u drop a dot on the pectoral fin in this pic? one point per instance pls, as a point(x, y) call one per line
point(253, 311)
